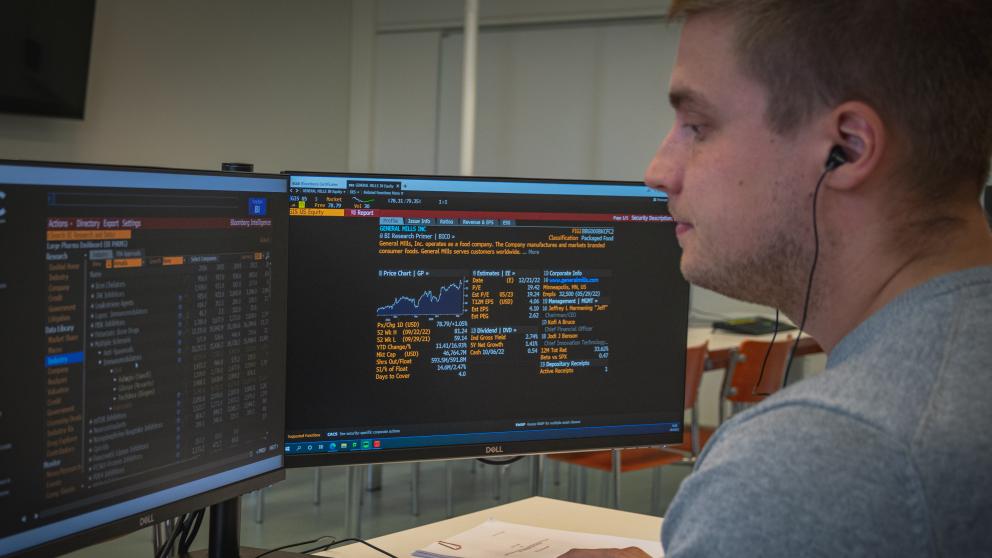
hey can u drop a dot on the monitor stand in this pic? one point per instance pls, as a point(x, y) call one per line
point(225, 533)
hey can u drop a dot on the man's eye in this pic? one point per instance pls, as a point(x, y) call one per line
point(696, 130)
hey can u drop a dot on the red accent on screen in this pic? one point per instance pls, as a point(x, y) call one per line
point(515, 215)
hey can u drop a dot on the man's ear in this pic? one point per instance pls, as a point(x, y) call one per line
point(859, 131)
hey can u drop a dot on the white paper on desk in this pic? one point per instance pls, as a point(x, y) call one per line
point(499, 539)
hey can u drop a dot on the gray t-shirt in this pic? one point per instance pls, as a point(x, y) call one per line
point(888, 452)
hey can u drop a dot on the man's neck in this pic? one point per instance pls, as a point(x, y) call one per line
point(861, 279)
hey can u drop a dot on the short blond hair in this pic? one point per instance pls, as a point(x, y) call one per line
point(924, 66)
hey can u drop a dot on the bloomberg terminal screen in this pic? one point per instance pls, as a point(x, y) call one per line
point(427, 312)
point(143, 341)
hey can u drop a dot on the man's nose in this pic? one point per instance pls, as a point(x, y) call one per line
point(664, 172)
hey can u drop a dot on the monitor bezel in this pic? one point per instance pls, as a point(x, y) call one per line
point(119, 527)
point(413, 176)
point(494, 449)
point(481, 451)
point(142, 168)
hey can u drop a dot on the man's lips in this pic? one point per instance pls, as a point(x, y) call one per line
point(682, 228)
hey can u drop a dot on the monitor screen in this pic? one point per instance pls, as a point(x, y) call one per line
point(437, 317)
point(143, 343)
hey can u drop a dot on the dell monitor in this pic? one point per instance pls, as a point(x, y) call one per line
point(143, 346)
point(440, 317)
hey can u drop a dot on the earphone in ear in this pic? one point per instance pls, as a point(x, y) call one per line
point(836, 158)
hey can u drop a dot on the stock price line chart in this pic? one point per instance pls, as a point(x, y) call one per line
point(545, 322)
point(449, 301)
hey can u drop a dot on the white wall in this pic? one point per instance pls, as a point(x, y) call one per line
point(405, 102)
point(394, 15)
point(577, 100)
point(191, 84)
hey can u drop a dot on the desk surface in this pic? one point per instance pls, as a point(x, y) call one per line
point(538, 511)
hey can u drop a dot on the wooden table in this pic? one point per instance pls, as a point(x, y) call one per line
point(722, 344)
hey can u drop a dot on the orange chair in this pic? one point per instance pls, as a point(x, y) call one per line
point(745, 383)
point(621, 461)
point(695, 436)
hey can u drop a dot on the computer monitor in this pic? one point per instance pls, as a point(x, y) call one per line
point(143, 347)
point(439, 317)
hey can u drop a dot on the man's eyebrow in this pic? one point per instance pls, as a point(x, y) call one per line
point(688, 99)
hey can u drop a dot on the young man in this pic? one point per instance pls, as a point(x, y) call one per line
point(889, 451)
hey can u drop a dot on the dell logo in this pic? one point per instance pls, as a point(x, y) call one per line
point(146, 520)
point(493, 449)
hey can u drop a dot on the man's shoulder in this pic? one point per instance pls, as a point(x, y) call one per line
point(797, 477)
point(807, 420)
point(924, 348)
point(885, 453)
point(943, 321)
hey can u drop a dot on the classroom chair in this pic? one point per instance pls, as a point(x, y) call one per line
point(620, 461)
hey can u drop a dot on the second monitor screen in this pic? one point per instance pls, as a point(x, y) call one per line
point(433, 317)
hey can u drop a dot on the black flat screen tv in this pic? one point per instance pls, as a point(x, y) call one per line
point(45, 56)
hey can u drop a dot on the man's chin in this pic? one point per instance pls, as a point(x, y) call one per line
point(698, 275)
point(728, 283)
